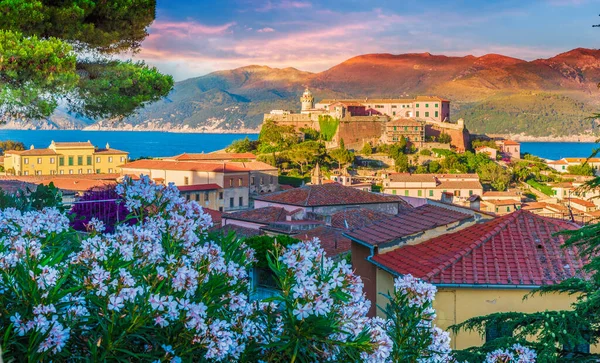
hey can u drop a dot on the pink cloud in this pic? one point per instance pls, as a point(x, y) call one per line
point(187, 28)
point(266, 30)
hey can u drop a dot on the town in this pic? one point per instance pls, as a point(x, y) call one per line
point(392, 186)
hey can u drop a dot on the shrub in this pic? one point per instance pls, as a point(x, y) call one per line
point(425, 152)
point(161, 289)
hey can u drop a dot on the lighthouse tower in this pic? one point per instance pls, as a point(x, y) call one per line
point(307, 100)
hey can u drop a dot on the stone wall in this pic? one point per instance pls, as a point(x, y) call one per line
point(460, 136)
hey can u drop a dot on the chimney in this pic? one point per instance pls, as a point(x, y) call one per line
point(107, 146)
point(31, 147)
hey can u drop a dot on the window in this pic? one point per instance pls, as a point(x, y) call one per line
point(110, 170)
point(89, 160)
point(417, 113)
point(61, 172)
point(495, 331)
point(240, 182)
point(262, 181)
point(80, 160)
point(394, 106)
point(52, 160)
point(39, 160)
point(25, 172)
point(394, 191)
point(38, 172)
point(122, 159)
point(426, 114)
point(70, 161)
point(427, 105)
point(271, 179)
point(394, 128)
point(406, 193)
point(220, 195)
point(206, 196)
point(89, 171)
point(110, 159)
point(230, 202)
point(70, 171)
point(394, 113)
point(437, 114)
point(431, 193)
point(252, 181)
point(187, 197)
point(420, 193)
point(508, 209)
point(97, 171)
point(436, 105)
point(220, 209)
point(241, 201)
point(197, 197)
point(61, 161)
point(457, 193)
point(417, 105)
point(231, 182)
point(470, 192)
point(25, 160)
point(97, 159)
point(186, 180)
point(80, 171)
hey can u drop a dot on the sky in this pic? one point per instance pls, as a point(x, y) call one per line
point(191, 38)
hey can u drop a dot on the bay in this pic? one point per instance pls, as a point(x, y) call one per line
point(137, 143)
point(558, 150)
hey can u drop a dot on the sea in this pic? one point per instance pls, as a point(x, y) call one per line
point(158, 144)
point(137, 143)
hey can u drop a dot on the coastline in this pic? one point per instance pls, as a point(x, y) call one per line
point(528, 138)
point(175, 131)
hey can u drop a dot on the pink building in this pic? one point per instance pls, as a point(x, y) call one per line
point(510, 148)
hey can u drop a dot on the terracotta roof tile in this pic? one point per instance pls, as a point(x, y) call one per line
point(352, 218)
point(406, 223)
point(585, 203)
point(197, 187)
point(213, 156)
point(263, 215)
point(239, 231)
point(184, 165)
point(517, 249)
point(332, 239)
point(214, 214)
point(31, 152)
point(327, 194)
point(254, 165)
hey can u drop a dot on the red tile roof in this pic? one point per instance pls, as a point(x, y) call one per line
point(147, 164)
point(352, 218)
point(585, 203)
point(214, 156)
point(263, 215)
point(197, 187)
point(109, 151)
point(509, 142)
point(406, 223)
point(254, 165)
point(501, 202)
point(77, 185)
point(332, 239)
point(31, 152)
point(214, 214)
point(516, 249)
point(327, 194)
point(239, 231)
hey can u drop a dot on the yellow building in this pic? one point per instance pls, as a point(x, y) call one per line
point(482, 269)
point(64, 158)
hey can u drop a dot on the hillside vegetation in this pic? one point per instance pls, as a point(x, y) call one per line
point(493, 93)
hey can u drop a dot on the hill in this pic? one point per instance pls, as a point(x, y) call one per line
point(493, 93)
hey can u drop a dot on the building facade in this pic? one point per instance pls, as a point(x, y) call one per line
point(65, 158)
point(509, 148)
point(231, 178)
point(412, 130)
point(433, 186)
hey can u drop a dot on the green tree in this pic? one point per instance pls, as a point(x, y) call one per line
point(242, 146)
point(444, 138)
point(53, 50)
point(401, 163)
point(583, 169)
point(11, 145)
point(434, 166)
point(305, 153)
point(367, 149)
point(341, 155)
point(494, 175)
point(310, 134)
point(274, 138)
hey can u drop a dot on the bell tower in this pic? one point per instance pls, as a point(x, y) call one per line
point(307, 100)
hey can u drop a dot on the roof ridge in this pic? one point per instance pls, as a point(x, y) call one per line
point(478, 243)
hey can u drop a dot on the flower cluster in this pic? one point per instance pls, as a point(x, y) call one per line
point(157, 288)
point(515, 354)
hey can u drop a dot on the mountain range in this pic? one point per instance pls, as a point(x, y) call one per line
point(495, 94)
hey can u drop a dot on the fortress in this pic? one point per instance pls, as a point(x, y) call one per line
point(365, 120)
